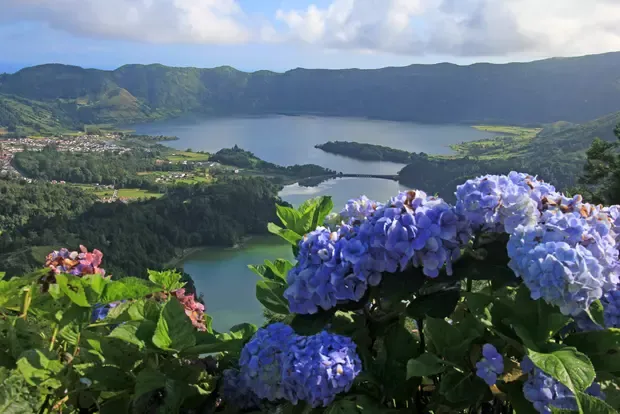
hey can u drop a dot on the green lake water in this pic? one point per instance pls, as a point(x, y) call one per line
point(228, 286)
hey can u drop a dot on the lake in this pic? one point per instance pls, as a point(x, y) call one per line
point(222, 274)
point(289, 140)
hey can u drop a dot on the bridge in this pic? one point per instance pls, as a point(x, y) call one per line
point(393, 177)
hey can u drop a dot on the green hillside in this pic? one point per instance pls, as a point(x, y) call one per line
point(570, 89)
point(557, 154)
point(26, 116)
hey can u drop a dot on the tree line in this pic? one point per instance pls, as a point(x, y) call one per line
point(142, 235)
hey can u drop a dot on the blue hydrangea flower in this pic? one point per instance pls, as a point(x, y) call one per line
point(491, 365)
point(417, 229)
point(236, 392)
point(611, 305)
point(357, 210)
point(565, 276)
point(500, 203)
point(261, 360)
point(319, 367)
point(332, 268)
point(570, 257)
point(544, 392)
point(100, 312)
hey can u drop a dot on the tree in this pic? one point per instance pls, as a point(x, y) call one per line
point(601, 176)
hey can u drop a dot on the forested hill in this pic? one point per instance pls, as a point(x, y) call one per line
point(570, 89)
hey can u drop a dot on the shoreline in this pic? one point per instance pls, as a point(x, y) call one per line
point(174, 263)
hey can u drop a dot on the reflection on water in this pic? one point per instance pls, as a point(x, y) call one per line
point(343, 189)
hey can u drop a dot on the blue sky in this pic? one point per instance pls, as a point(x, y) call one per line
point(285, 34)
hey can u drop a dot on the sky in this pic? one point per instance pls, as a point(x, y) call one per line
point(285, 34)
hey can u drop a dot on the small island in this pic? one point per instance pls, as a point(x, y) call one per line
point(366, 152)
point(241, 158)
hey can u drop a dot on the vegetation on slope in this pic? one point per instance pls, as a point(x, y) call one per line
point(246, 159)
point(366, 152)
point(21, 117)
point(138, 235)
point(557, 154)
point(24, 203)
point(109, 168)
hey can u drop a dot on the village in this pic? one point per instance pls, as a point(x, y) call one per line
point(79, 143)
point(195, 166)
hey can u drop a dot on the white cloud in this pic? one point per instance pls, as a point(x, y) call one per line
point(460, 27)
point(469, 28)
point(156, 21)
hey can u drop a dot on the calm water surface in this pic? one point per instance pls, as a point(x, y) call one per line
point(222, 274)
point(229, 287)
point(289, 140)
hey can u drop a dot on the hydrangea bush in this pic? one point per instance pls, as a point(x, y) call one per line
point(506, 302)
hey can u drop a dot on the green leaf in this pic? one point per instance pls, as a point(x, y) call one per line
point(117, 405)
point(322, 208)
point(311, 324)
point(425, 365)
point(520, 404)
point(288, 235)
point(73, 288)
point(590, 404)
point(233, 341)
point(436, 305)
point(596, 312)
point(342, 407)
point(144, 309)
point(442, 334)
point(293, 219)
point(127, 289)
point(149, 380)
point(169, 280)
point(174, 330)
point(567, 365)
point(280, 268)
point(396, 287)
point(109, 378)
point(459, 387)
point(274, 271)
point(271, 295)
point(243, 331)
point(127, 332)
point(602, 347)
point(207, 343)
point(39, 368)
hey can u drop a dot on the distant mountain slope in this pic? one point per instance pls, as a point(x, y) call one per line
point(569, 89)
point(20, 114)
point(557, 154)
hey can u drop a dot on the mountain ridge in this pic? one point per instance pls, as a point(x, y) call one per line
point(575, 89)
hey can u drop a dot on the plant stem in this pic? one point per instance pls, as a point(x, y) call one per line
point(420, 323)
point(77, 344)
point(26, 303)
point(53, 341)
point(469, 284)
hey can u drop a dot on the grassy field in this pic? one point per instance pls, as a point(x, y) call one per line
point(507, 130)
point(179, 156)
point(189, 180)
point(510, 141)
point(137, 193)
point(132, 193)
